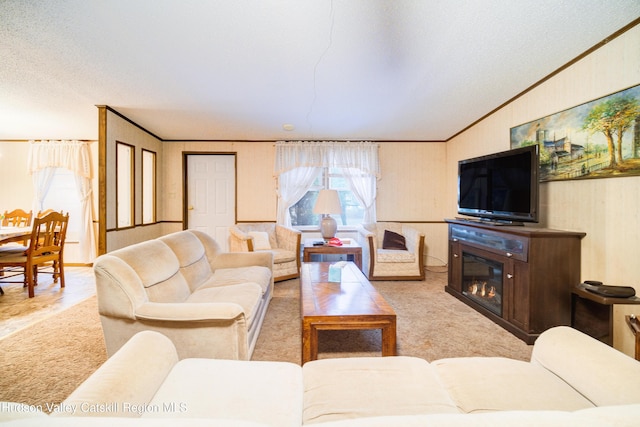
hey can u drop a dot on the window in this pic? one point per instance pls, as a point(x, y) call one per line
point(148, 187)
point(332, 178)
point(302, 168)
point(63, 196)
point(124, 185)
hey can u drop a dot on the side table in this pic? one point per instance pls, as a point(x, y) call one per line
point(634, 325)
point(593, 314)
point(349, 248)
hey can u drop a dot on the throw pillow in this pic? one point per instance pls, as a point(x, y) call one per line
point(393, 240)
point(260, 240)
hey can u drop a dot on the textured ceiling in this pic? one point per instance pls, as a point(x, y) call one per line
point(240, 70)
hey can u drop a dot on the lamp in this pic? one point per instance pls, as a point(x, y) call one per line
point(328, 203)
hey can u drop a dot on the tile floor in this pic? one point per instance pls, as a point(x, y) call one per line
point(18, 311)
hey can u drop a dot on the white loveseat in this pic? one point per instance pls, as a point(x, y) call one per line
point(210, 303)
point(571, 380)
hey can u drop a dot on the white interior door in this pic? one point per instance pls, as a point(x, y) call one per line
point(211, 185)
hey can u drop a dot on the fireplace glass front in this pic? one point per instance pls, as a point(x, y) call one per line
point(482, 281)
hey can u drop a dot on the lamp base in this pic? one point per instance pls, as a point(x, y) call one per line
point(328, 227)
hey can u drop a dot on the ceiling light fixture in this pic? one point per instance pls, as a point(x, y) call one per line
point(288, 127)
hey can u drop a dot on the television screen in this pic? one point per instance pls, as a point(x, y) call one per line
point(501, 186)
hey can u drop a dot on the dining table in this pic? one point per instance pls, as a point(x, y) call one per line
point(14, 234)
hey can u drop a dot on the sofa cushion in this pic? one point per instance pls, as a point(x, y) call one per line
point(191, 256)
point(493, 419)
point(616, 415)
point(482, 384)
point(246, 295)
point(232, 276)
point(337, 389)
point(158, 269)
point(392, 255)
point(267, 392)
point(260, 240)
point(283, 255)
point(111, 421)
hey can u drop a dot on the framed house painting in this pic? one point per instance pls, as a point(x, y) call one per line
point(597, 139)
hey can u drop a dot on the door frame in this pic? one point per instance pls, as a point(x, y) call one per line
point(185, 181)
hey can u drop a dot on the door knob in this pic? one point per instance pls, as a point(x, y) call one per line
point(190, 208)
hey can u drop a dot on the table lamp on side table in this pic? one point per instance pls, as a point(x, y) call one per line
point(328, 203)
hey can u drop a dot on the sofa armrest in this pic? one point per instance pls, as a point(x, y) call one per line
point(238, 240)
point(188, 312)
point(363, 232)
point(132, 376)
point(288, 238)
point(601, 373)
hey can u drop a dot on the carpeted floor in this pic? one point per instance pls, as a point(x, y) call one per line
point(431, 324)
point(44, 362)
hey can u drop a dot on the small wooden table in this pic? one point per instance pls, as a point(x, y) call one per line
point(593, 314)
point(351, 248)
point(352, 304)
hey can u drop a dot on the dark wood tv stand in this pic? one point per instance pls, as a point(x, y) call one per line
point(538, 267)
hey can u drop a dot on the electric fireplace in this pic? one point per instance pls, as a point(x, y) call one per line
point(482, 281)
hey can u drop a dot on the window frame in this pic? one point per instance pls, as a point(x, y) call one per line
point(149, 178)
point(125, 180)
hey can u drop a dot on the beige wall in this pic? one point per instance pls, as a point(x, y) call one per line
point(412, 177)
point(17, 190)
point(606, 209)
point(121, 130)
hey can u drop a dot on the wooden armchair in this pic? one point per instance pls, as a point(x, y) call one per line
point(46, 246)
point(283, 242)
point(383, 259)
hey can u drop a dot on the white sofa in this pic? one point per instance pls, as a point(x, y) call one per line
point(210, 303)
point(571, 380)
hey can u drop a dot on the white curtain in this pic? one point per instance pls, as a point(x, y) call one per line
point(292, 186)
point(298, 163)
point(363, 188)
point(44, 158)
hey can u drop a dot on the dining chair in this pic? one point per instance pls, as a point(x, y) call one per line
point(44, 212)
point(16, 218)
point(46, 246)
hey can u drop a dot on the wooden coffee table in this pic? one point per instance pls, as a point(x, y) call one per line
point(351, 248)
point(352, 304)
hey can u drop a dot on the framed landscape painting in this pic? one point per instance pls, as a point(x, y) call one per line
point(598, 139)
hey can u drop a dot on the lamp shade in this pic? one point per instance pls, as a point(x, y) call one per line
point(328, 202)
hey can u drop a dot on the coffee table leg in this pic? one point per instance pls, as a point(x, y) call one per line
point(389, 339)
point(357, 259)
point(309, 342)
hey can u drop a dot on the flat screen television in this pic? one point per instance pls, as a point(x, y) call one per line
point(501, 187)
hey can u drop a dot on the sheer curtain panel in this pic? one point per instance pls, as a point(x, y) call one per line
point(47, 156)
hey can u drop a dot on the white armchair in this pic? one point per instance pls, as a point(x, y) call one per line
point(283, 242)
point(388, 262)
